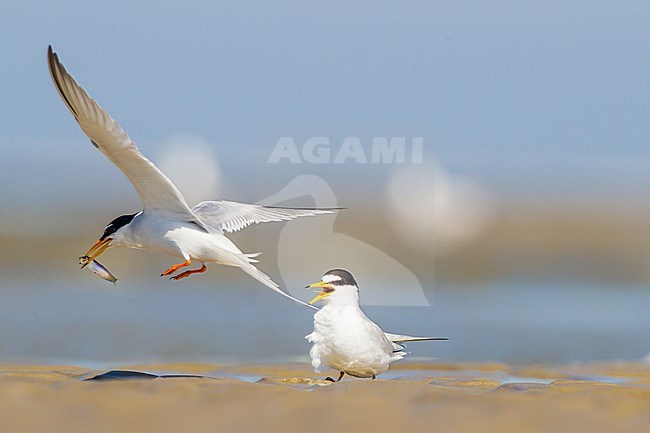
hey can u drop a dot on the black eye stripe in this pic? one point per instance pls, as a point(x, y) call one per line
point(346, 278)
point(116, 224)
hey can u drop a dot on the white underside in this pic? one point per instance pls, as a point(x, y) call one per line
point(346, 340)
point(180, 239)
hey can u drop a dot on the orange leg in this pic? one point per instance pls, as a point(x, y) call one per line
point(174, 268)
point(190, 272)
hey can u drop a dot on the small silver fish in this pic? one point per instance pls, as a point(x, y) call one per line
point(97, 268)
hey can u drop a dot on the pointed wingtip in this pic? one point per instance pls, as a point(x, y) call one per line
point(50, 55)
point(56, 71)
point(401, 339)
point(330, 209)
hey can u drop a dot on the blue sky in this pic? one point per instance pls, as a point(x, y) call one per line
point(539, 76)
point(480, 81)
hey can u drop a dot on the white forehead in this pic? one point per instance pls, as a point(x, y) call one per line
point(329, 278)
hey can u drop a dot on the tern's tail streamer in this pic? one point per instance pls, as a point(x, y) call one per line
point(267, 281)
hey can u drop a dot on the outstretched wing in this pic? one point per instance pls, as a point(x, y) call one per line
point(231, 216)
point(156, 191)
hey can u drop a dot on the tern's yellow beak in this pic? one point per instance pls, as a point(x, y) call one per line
point(98, 247)
point(325, 292)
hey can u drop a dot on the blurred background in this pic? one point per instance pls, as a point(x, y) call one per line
point(522, 232)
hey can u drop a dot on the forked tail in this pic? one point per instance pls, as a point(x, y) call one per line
point(252, 256)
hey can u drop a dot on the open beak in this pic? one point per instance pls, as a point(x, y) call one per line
point(98, 247)
point(325, 292)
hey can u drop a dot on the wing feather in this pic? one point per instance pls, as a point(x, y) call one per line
point(398, 341)
point(157, 192)
point(396, 338)
point(231, 216)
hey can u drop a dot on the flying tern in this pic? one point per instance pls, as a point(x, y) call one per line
point(166, 224)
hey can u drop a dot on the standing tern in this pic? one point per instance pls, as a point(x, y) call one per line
point(166, 224)
point(344, 338)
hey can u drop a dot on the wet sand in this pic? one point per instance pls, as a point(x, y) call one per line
point(411, 397)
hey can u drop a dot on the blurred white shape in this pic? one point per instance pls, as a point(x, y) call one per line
point(190, 162)
point(308, 247)
point(435, 210)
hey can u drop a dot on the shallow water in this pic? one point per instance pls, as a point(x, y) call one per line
point(415, 374)
point(99, 326)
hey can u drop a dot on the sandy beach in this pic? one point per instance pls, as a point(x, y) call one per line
point(612, 397)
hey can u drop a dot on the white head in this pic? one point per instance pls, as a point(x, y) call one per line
point(338, 287)
point(115, 234)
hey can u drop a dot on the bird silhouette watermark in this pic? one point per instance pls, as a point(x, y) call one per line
point(308, 246)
